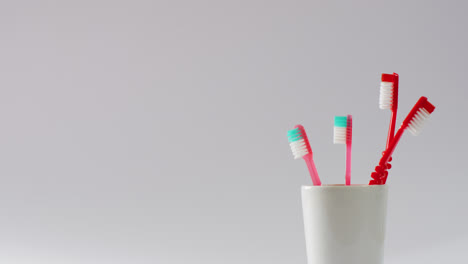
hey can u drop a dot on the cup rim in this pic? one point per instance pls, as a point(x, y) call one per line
point(342, 186)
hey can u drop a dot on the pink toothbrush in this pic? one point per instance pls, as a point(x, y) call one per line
point(301, 149)
point(343, 134)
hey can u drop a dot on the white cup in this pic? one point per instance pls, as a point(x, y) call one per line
point(345, 224)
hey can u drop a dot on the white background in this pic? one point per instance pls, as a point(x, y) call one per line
point(155, 131)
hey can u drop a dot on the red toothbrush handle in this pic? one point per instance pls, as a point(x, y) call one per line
point(389, 151)
point(381, 173)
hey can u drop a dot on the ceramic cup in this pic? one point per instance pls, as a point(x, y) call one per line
point(344, 224)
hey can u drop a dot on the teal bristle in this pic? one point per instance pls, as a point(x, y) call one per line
point(341, 121)
point(294, 135)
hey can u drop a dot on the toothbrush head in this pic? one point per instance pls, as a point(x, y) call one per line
point(299, 142)
point(418, 116)
point(349, 129)
point(389, 91)
point(343, 130)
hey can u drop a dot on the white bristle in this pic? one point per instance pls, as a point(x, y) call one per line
point(386, 95)
point(339, 135)
point(416, 124)
point(299, 148)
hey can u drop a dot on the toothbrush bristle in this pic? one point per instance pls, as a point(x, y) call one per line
point(386, 91)
point(421, 116)
point(386, 95)
point(340, 130)
point(298, 142)
point(299, 149)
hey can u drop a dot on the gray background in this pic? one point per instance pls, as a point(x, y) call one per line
point(155, 131)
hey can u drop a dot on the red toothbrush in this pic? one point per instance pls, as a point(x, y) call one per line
point(414, 122)
point(389, 100)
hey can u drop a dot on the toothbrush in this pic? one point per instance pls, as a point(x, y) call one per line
point(343, 134)
point(414, 123)
point(389, 100)
point(301, 149)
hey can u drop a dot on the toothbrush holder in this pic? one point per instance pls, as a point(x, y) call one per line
point(345, 224)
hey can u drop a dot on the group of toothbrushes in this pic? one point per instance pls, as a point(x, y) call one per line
point(343, 132)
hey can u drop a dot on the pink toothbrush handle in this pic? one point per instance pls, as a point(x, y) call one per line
point(312, 170)
point(348, 164)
